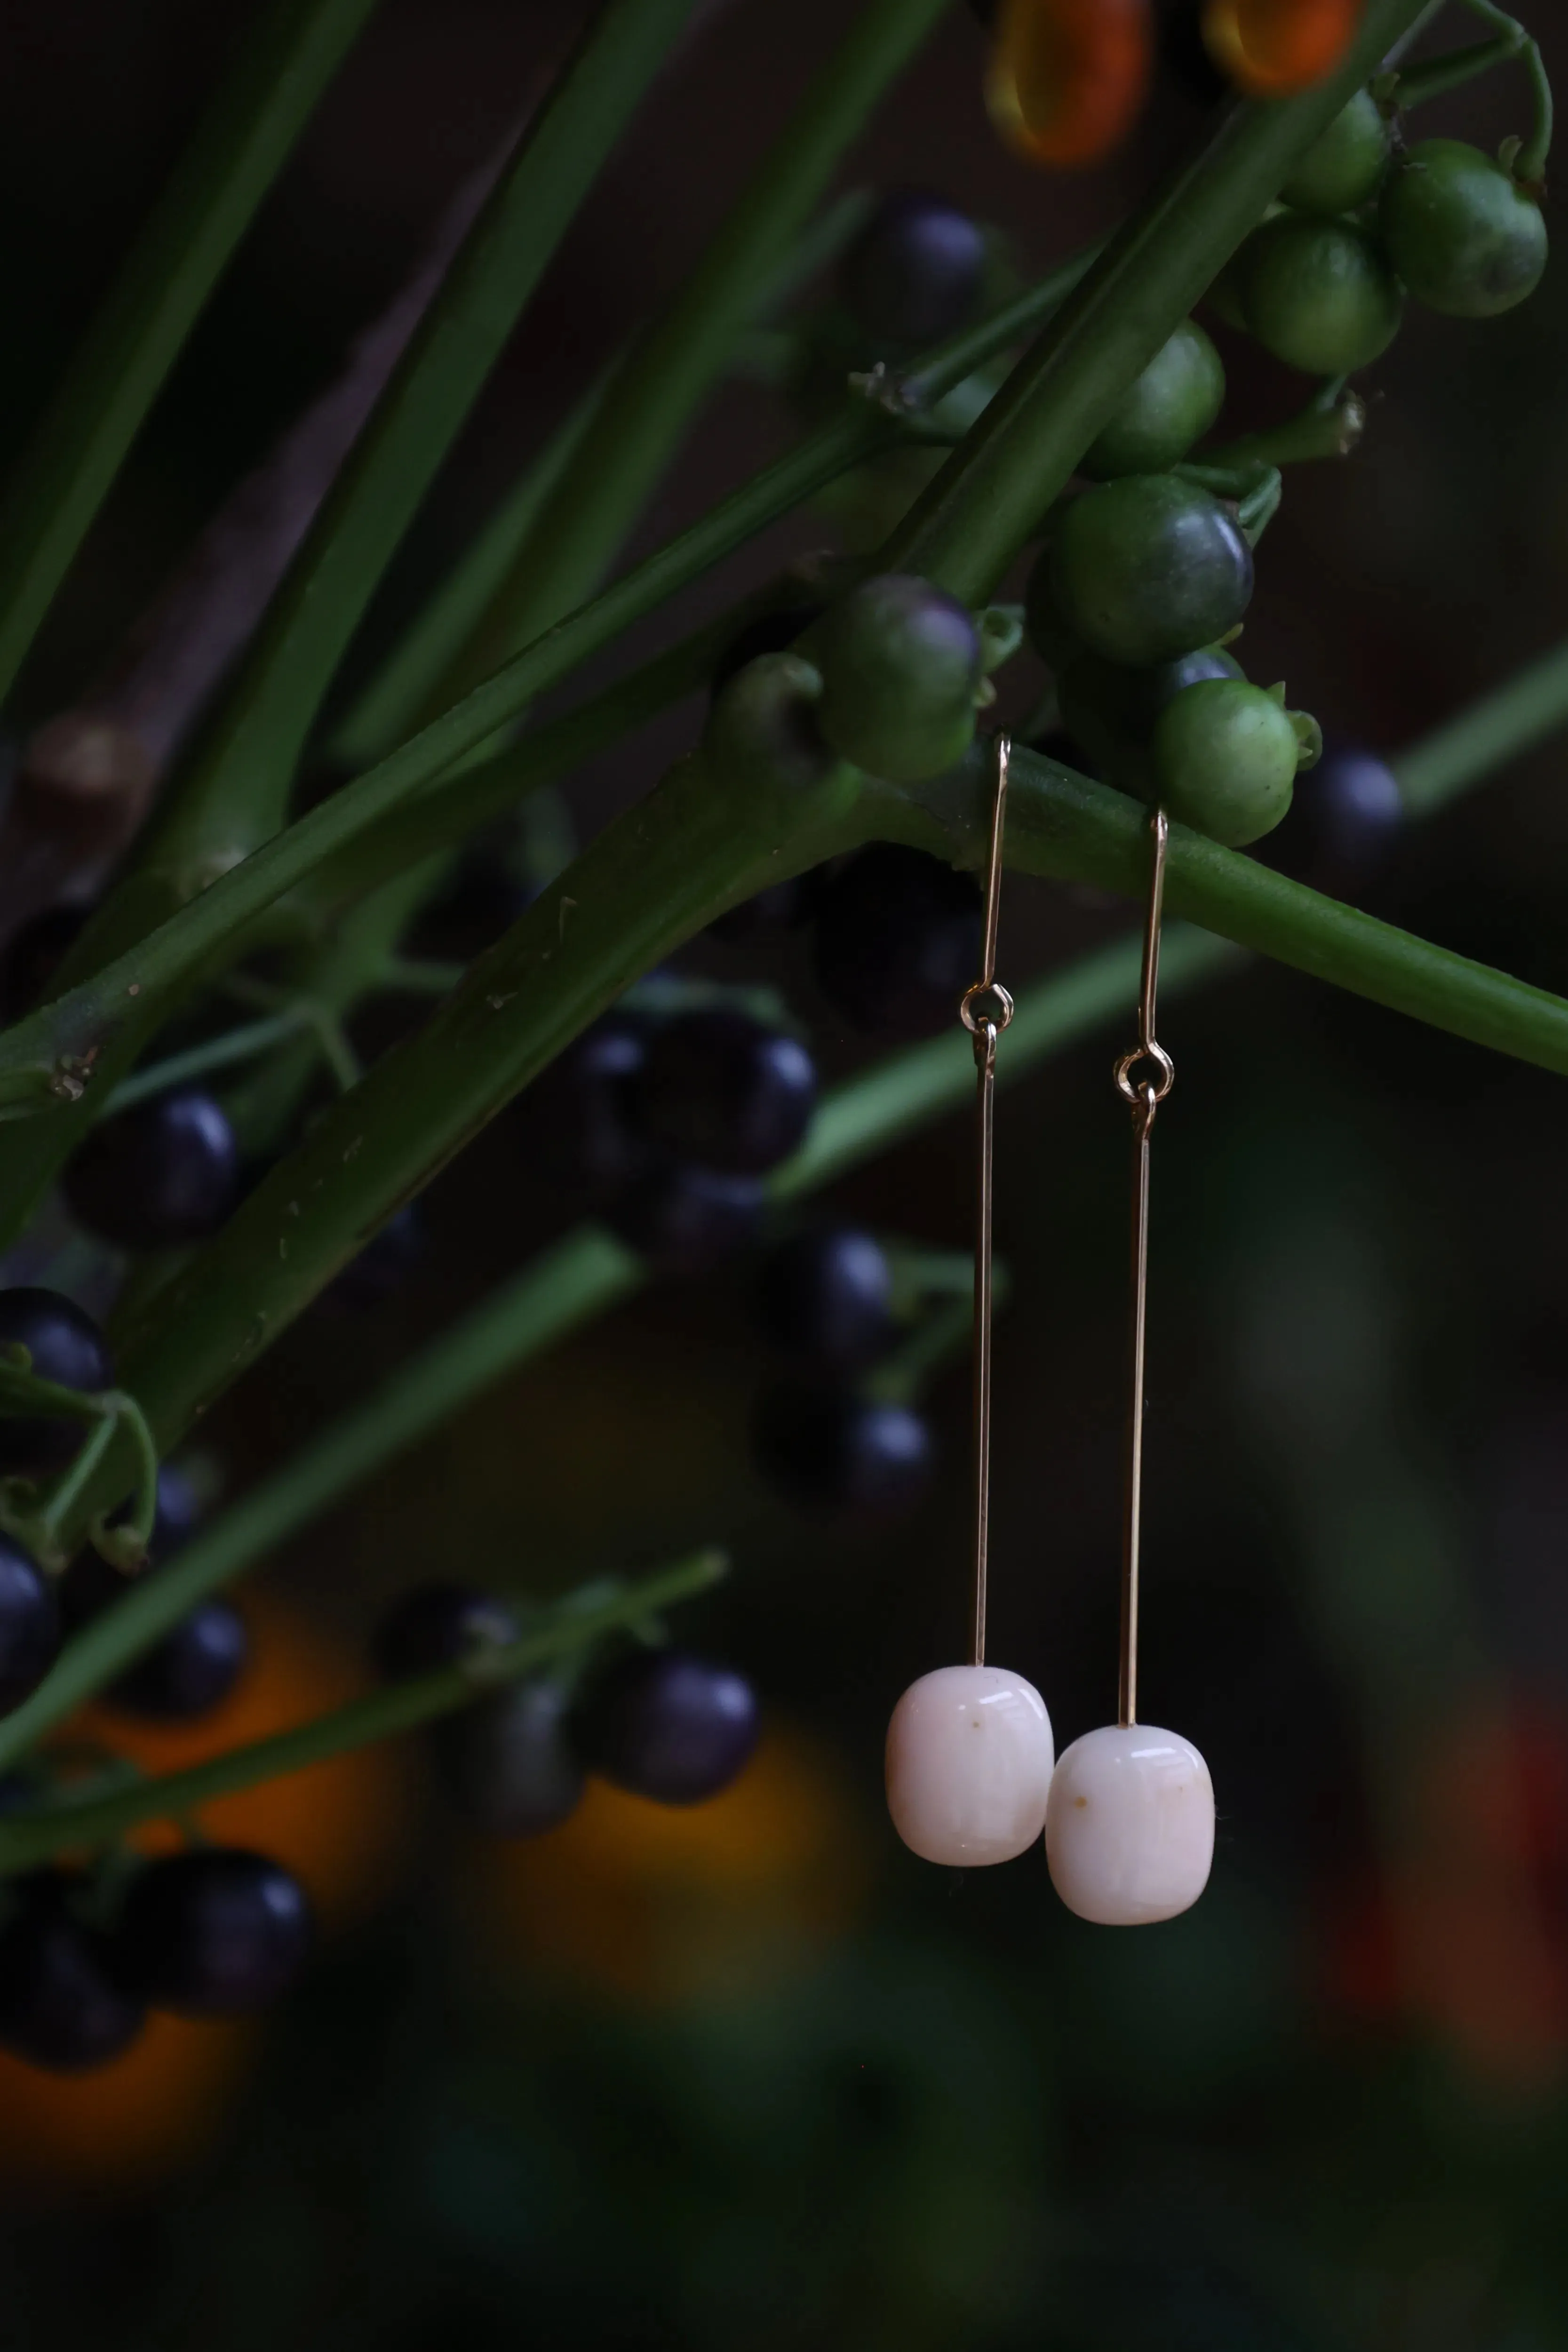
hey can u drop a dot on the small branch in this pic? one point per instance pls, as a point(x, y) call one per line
point(1317, 432)
point(1530, 163)
point(1470, 747)
point(201, 1061)
point(74, 1822)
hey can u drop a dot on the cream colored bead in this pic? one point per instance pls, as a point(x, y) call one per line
point(969, 1755)
point(1129, 1830)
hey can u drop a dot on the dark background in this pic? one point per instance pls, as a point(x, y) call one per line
point(768, 2080)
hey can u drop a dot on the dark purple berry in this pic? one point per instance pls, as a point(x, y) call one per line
point(213, 1932)
point(439, 1625)
point(670, 1727)
point(508, 1762)
point(826, 1298)
point(582, 1114)
point(769, 632)
point(829, 1450)
point(726, 1091)
point(29, 1625)
point(685, 1219)
point(897, 941)
point(916, 271)
point(193, 1668)
point(167, 1171)
point(379, 1270)
point(62, 2003)
point(34, 957)
point(65, 1346)
point(1344, 820)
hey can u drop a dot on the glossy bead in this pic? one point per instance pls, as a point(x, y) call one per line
point(166, 1172)
point(1129, 1831)
point(214, 1932)
point(829, 1450)
point(29, 1624)
point(726, 1091)
point(65, 1345)
point(62, 2003)
point(826, 1298)
point(913, 274)
point(669, 1726)
point(896, 941)
point(970, 1756)
point(685, 1219)
point(508, 1762)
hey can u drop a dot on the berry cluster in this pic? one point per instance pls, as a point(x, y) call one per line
point(659, 1722)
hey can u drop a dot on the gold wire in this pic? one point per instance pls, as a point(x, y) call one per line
point(1145, 1096)
point(985, 1011)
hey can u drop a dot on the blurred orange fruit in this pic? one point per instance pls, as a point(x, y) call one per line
point(1067, 79)
point(337, 1825)
point(152, 2111)
point(651, 1903)
point(1270, 49)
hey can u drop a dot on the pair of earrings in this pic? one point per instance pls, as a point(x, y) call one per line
point(972, 1775)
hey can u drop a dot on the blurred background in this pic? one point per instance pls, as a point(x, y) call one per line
point(752, 2073)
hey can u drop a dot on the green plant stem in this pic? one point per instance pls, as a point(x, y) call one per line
point(90, 1820)
point(990, 496)
point(1529, 164)
point(672, 367)
point(1465, 750)
point(1436, 77)
point(238, 149)
point(1317, 432)
point(242, 1044)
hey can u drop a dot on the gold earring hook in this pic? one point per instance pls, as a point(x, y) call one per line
point(1145, 1095)
point(985, 1011)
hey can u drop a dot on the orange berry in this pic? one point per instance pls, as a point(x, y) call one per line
point(1068, 78)
point(1272, 48)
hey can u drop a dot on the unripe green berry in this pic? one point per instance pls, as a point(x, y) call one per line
point(902, 665)
point(1224, 759)
point(1318, 294)
point(1344, 169)
point(1466, 239)
point(1164, 411)
point(1148, 568)
point(762, 733)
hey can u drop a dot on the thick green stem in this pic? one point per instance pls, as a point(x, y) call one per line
point(655, 394)
point(74, 1822)
point(241, 145)
point(993, 492)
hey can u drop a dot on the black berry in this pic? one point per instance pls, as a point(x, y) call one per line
point(670, 1725)
point(439, 1625)
point(214, 1932)
point(194, 1667)
point(897, 941)
point(916, 271)
point(1344, 821)
point(508, 1762)
point(167, 1171)
point(726, 1091)
point(826, 1298)
point(829, 1450)
point(29, 1625)
point(685, 1219)
point(62, 2003)
point(583, 1114)
point(65, 1346)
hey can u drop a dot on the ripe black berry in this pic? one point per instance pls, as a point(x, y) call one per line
point(685, 1219)
point(213, 1932)
point(1344, 822)
point(383, 1266)
point(195, 1666)
point(439, 1625)
point(670, 1725)
point(62, 2003)
point(65, 1346)
point(583, 1114)
point(914, 272)
point(29, 1625)
point(508, 1762)
point(897, 941)
point(829, 1450)
point(726, 1091)
point(166, 1172)
point(827, 1297)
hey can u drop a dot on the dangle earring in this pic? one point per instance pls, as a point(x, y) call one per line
point(1129, 1829)
point(969, 1748)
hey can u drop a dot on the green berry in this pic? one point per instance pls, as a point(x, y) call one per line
point(902, 664)
point(1112, 711)
point(1465, 237)
point(1346, 165)
point(1166, 410)
point(762, 733)
point(1318, 294)
point(1148, 568)
point(1224, 759)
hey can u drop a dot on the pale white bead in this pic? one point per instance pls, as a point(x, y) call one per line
point(1129, 1830)
point(969, 1755)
